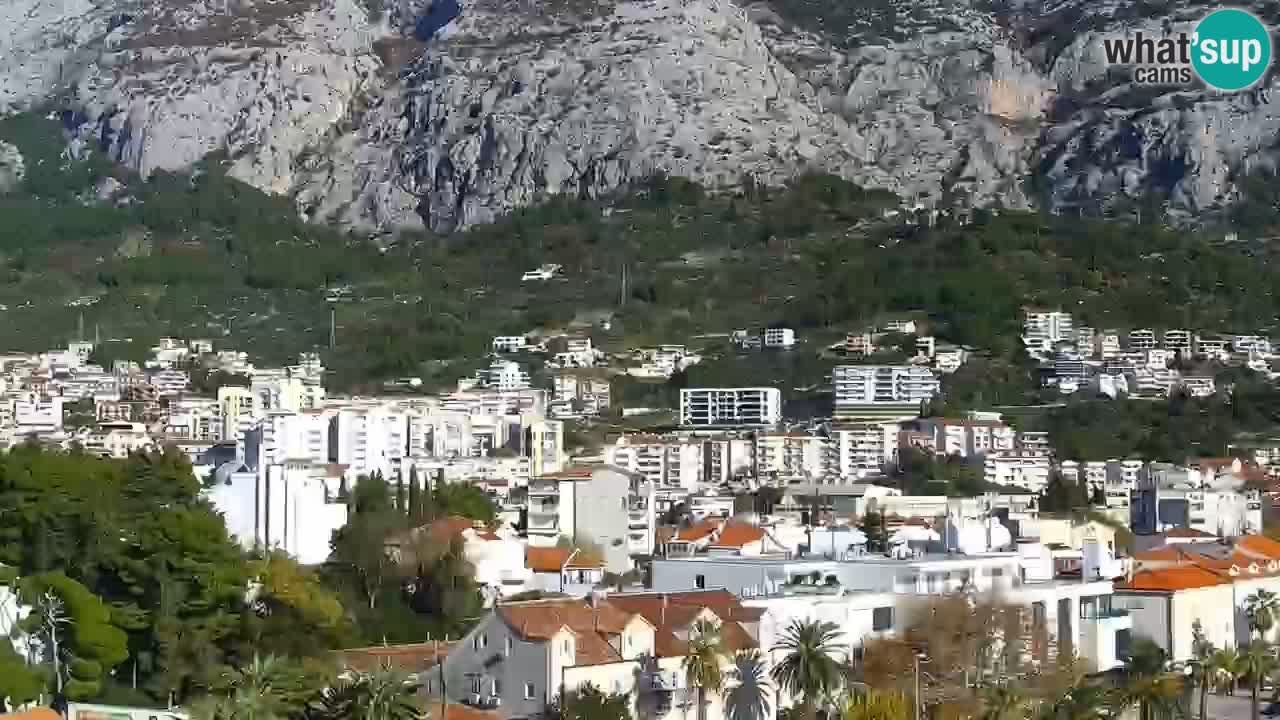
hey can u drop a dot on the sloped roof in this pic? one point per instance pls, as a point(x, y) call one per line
point(1173, 579)
point(1259, 545)
point(698, 530)
point(736, 535)
point(39, 713)
point(552, 559)
point(1187, 533)
point(410, 658)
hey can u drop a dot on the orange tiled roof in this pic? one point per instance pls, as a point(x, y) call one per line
point(1259, 545)
point(413, 657)
point(1164, 553)
point(460, 712)
point(573, 472)
point(39, 713)
point(670, 612)
point(591, 626)
point(698, 530)
point(1173, 579)
point(738, 534)
point(552, 559)
point(1187, 533)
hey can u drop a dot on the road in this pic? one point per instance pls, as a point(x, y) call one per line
point(1227, 708)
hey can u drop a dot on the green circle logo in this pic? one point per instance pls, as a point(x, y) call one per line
point(1231, 49)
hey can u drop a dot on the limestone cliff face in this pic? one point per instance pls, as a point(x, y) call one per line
point(943, 102)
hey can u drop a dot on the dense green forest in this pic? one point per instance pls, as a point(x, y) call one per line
point(203, 255)
point(151, 600)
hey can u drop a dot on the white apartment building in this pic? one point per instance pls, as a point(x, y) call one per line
point(577, 395)
point(967, 437)
point(1171, 496)
point(590, 501)
point(523, 655)
point(1199, 385)
point(169, 382)
point(1213, 348)
point(116, 439)
point(882, 391)
point(291, 506)
point(662, 361)
point(1042, 329)
point(195, 419)
point(1251, 344)
point(1142, 339)
point(860, 343)
point(237, 411)
point(858, 450)
point(1086, 339)
point(730, 407)
point(779, 337)
point(503, 376)
point(509, 343)
point(1178, 341)
point(1109, 345)
point(666, 462)
point(790, 455)
point(864, 594)
point(1017, 468)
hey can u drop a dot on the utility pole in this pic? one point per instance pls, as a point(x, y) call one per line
point(915, 700)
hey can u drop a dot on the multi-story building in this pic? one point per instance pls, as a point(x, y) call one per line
point(523, 656)
point(576, 395)
point(860, 344)
point(779, 337)
point(790, 455)
point(1171, 496)
point(1142, 339)
point(882, 391)
point(666, 462)
point(1213, 348)
point(867, 596)
point(1251, 344)
point(1178, 341)
point(1042, 329)
point(1015, 468)
point(195, 419)
point(730, 407)
point(169, 382)
point(968, 437)
point(1086, 339)
point(1108, 344)
point(593, 502)
point(503, 376)
point(1199, 385)
point(116, 439)
point(509, 343)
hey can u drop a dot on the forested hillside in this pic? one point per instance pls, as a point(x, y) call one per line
point(204, 255)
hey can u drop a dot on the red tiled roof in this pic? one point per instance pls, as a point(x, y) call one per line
point(460, 712)
point(552, 559)
point(573, 472)
point(736, 535)
point(39, 713)
point(698, 530)
point(1173, 579)
point(411, 658)
point(1259, 545)
point(591, 625)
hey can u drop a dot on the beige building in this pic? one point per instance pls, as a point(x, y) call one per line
point(522, 656)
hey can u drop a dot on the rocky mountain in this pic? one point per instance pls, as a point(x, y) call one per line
point(399, 115)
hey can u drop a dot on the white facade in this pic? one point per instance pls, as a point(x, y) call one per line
point(779, 337)
point(879, 391)
point(594, 502)
point(710, 407)
point(1043, 329)
point(857, 450)
point(1017, 469)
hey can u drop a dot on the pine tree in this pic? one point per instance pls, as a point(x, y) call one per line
point(414, 511)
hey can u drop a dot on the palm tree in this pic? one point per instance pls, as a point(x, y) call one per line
point(751, 697)
point(1155, 691)
point(810, 668)
point(1224, 665)
point(1203, 651)
point(1257, 663)
point(1004, 703)
point(258, 692)
point(1080, 702)
point(381, 695)
point(874, 704)
point(1262, 608)
point(702, 662)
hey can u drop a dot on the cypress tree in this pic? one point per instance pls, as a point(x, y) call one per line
point(400, 493)
point(414, 510)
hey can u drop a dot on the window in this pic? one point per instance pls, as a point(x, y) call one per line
point(480, 641)
point(700, 582)
point(882, 619)
point(475, 685)
point(567, 647)
point(507, 650)
point(495, 687)
point(528, 691)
